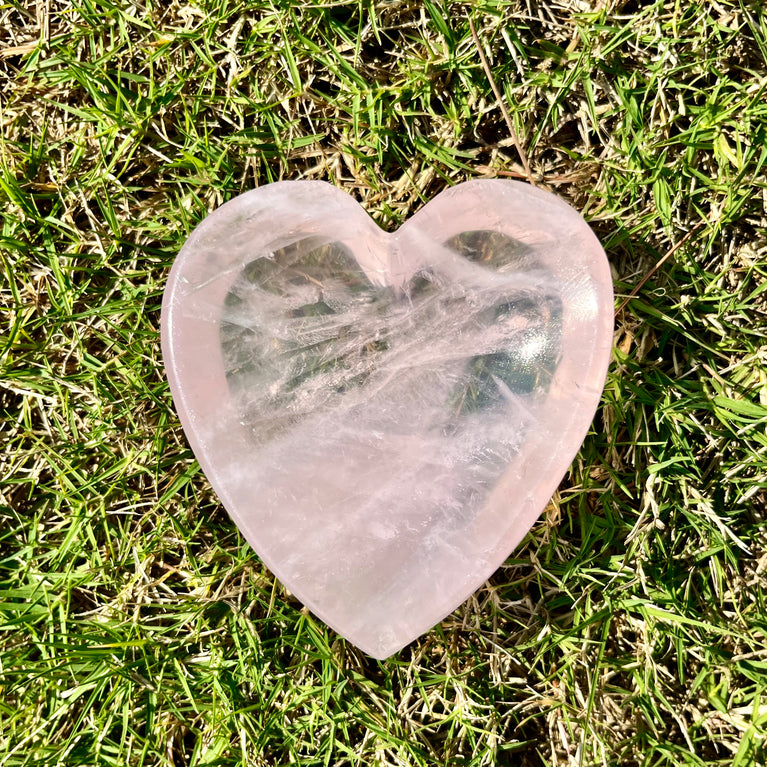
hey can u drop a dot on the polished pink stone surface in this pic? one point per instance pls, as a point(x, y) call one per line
point(385, 416)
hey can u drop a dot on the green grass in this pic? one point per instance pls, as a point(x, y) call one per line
point(137, 627)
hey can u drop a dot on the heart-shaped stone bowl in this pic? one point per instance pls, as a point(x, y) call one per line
point(384, 416)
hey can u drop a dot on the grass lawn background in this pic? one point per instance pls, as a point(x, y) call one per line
point(136, 625)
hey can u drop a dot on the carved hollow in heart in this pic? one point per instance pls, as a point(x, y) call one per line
point(385, 416)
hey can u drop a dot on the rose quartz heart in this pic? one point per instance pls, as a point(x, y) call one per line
point(384, 416)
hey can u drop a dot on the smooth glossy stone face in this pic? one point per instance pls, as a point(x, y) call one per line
point(385, 416)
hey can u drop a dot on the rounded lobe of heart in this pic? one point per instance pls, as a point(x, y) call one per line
point(385, 416)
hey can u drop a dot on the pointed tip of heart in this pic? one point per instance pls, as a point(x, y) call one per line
point(381, 653)
point(379, 643)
